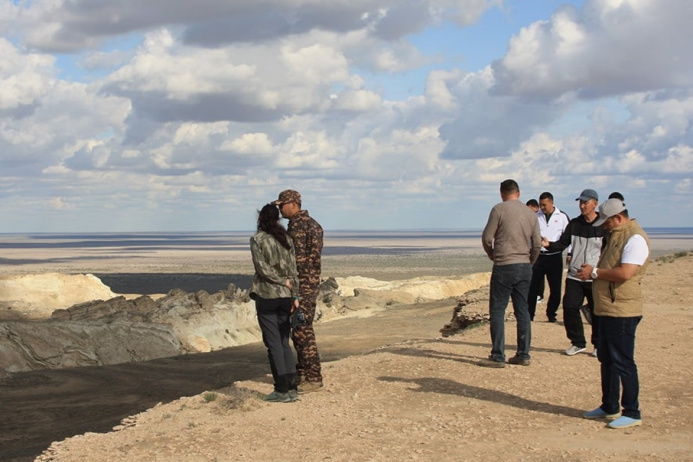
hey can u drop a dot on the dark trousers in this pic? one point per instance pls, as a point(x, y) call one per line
point(551, 268)
point(273, 317)
point(303, 337)
point(616, 353)
point(510, 282)
point(576, 292)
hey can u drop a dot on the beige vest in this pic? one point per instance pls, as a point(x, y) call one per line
point(619, 299)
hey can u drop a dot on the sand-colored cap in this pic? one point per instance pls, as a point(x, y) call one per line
point(288, 195)
point(608, 209)
point(588, 194)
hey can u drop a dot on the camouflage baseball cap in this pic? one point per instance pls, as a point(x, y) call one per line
point(288, 195)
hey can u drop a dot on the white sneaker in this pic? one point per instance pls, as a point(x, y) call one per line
point(573, 350)
point(594, 353)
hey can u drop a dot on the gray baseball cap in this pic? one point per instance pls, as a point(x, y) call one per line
point(608, 209)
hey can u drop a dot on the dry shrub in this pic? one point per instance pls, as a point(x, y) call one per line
point(238, 398)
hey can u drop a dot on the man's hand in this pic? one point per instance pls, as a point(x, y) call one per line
point(544, 242)
point(585, 272)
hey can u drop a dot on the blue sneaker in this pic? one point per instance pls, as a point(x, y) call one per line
point(625, 422)
point(599, 414)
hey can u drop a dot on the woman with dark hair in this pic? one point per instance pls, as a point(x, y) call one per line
point(275, 291)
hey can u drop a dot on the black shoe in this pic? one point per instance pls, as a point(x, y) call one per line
point(491, 363)
point(519, 361)
point(553, 320)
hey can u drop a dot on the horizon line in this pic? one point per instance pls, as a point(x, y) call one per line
point(343, 230)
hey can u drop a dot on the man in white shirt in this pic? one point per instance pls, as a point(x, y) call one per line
point(618, 304)
point(549, 265)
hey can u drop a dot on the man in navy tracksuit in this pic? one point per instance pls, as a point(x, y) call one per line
point(585, 242)
point(552, 223)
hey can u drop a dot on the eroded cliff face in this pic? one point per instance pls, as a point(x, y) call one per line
point(55, 345)
point(119, 330)
point(104, 328)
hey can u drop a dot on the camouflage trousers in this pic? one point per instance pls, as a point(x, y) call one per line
point(308, 366)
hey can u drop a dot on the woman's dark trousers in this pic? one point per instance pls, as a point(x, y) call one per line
point(273, 317)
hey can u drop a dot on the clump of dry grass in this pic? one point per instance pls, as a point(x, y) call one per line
point(672, 257)
point(210, 396)
point(238, 398)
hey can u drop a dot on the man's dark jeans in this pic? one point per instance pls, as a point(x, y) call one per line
point(575, 294)
point(510, 281)
point(551, 267)
point(616, 354)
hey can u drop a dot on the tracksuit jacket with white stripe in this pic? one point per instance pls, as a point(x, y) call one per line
point(586, 242)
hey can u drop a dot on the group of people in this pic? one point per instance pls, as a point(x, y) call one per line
point(606, 261)
point(287, 265)
point(607, 256)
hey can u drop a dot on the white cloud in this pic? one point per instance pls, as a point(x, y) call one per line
point(488, 125)
point(58, 203)
point(106, 60)
point(357, 101)
point(250, 143)
point(608, 48)
point(437, 90)
point(24, 78)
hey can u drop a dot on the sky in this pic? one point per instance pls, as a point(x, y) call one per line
point(173, 115)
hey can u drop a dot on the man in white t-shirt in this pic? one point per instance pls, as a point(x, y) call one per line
point(618, 303)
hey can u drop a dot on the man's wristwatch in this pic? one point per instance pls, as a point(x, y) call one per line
point(593, 274)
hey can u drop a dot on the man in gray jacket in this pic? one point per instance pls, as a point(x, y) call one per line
point(585, 243)
point(512, 240)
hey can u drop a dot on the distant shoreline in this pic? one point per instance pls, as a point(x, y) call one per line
point(149, 263)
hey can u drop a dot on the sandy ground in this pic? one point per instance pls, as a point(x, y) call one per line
point(422, 397)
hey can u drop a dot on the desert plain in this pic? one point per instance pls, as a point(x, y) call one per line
point(395, 389)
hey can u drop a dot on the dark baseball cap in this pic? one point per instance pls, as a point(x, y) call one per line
point(588, 194)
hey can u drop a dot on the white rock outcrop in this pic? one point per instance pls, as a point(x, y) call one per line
point(37, 295)
point(421, 288)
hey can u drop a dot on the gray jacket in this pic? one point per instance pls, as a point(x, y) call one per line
point(585, 242)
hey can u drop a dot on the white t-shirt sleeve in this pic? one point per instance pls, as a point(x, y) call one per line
point(635, 251)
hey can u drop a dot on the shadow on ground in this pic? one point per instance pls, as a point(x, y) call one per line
point(40, 407)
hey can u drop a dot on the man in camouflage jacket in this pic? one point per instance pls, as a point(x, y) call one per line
point(307, 235)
